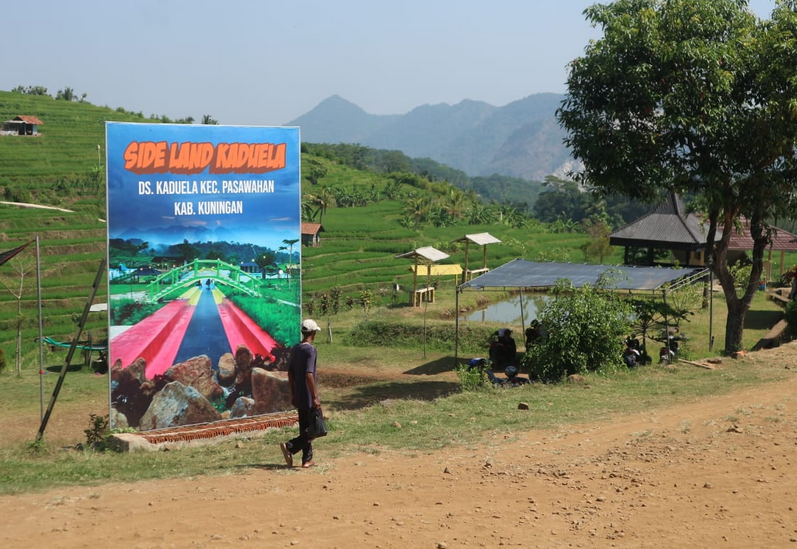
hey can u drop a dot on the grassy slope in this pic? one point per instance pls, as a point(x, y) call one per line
point(65, 148)
point(358, 248)
point(56, 168)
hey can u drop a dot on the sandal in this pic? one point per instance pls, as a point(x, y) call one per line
point(287, 454)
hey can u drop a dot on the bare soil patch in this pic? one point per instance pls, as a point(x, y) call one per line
point(714, 473)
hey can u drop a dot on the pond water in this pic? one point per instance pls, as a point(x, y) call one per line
point(508, 310)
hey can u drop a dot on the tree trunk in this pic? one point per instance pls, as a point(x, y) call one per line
point(737, 307)
point(734, 326)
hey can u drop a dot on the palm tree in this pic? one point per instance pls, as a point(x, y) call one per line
point(308, 214)
point(479, 214)
point(321, 201)
point(457, 203)
point(418, 207)
point(290, 257)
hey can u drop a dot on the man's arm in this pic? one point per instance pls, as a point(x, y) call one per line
point(290, 385)
point(312, 388)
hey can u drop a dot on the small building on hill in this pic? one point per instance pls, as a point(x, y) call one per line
point(311, 234)
point(22, 125)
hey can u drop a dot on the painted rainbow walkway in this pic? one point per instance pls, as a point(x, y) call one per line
point(158, 338)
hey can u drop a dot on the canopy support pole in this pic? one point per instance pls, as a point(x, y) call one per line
point(456, 327)
point(710, 309)
point(426, 304)
point(522, 318)
point(666, 328)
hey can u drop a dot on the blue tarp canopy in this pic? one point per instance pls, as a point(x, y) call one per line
point(521, 273)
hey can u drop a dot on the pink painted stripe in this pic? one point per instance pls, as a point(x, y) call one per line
point(156, 339)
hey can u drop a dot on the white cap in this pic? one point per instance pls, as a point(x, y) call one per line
point(310, 325)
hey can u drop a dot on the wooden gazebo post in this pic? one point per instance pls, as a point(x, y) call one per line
point(414, 282)
point(482, 239)
point(467, 247)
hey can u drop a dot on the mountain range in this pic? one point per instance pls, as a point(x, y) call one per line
point(521, 139)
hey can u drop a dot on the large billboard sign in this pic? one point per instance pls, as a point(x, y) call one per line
point(204, 292)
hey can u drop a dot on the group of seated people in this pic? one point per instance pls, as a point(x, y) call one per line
point(503, 349)
point(503, 355)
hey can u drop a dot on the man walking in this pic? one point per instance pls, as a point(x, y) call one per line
point(304, 393)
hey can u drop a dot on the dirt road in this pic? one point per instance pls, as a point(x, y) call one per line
point(718, 473)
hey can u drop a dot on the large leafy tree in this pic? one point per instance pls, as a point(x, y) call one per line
point(695, 96)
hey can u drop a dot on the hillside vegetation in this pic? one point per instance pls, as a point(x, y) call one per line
point(368, 217)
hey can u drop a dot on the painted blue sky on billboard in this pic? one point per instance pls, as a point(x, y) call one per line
point(169, 183)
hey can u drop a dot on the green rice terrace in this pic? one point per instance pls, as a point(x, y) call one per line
point(369, 215)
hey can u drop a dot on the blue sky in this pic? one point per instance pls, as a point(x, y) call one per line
point(264, 62)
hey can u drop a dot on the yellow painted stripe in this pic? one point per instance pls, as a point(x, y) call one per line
point(193, 295)
point(218, 296)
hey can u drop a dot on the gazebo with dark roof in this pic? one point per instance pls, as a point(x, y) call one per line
point(667, 227)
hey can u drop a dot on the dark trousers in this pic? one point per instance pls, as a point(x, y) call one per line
point(302, 442)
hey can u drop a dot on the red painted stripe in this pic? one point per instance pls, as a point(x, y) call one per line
point(156, 339)
point(242, 330)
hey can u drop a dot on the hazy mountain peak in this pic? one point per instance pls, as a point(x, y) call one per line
point(337, 102)
point(521, 139)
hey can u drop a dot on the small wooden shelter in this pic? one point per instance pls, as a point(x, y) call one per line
point(23, 125)
point(480, 239)
point(311, 234)
point(423, 256)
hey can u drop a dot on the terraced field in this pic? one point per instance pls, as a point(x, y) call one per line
point(71, 248)
point(64, 167)
point(360, 244)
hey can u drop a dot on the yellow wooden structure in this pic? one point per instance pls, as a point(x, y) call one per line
point(424, 258)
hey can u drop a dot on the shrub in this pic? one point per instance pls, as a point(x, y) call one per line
point(2, 361)
point(127, 312)
point(98, 428)
point(791, 315)
point(584, 329)
point(471, 379)
point(16, 194)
